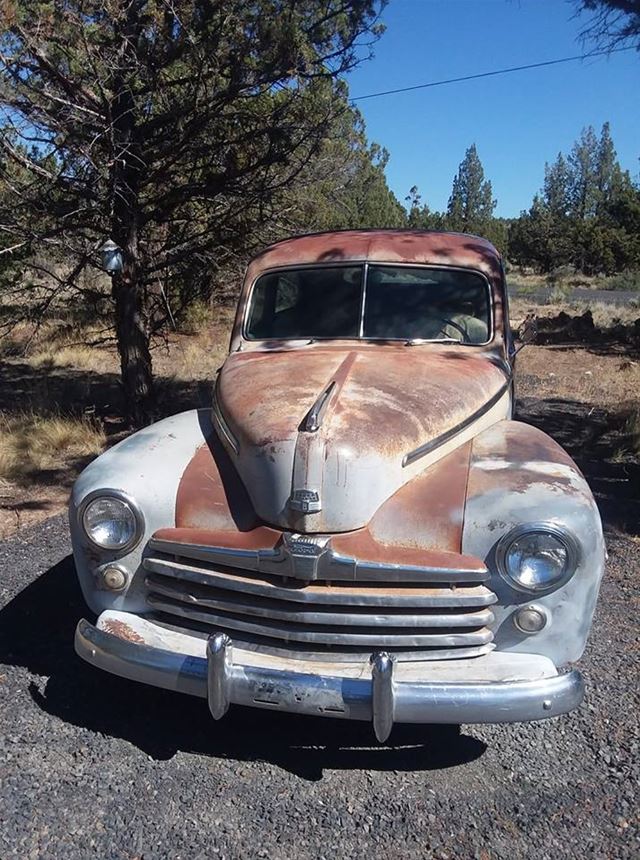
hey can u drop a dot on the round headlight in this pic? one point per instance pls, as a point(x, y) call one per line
point(537, 557)
point(111, 523)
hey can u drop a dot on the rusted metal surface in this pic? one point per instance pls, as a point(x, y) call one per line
point(427, 513)
point(210, 495)
point(122, 630)
point(260, 537)
point(518, 457)
point(387, 401)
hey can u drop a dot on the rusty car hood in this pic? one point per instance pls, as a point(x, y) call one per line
point(375, 405)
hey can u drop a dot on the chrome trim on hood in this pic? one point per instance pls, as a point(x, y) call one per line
point(222, 423)
point(429, 446)
point(313, 419)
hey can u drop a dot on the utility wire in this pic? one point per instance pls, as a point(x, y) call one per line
point(491, 74)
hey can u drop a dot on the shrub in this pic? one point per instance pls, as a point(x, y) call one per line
point(626, 281)
point(195, 317)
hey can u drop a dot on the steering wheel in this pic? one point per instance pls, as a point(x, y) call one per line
point(448, 322)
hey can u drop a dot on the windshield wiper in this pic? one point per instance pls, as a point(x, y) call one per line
point(417, 341)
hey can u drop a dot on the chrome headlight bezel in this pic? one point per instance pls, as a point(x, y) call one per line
point(129, 503)
point(561, 534)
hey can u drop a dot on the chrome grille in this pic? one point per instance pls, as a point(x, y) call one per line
point(345, 620)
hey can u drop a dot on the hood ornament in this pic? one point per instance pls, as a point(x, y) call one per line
point(305, 501)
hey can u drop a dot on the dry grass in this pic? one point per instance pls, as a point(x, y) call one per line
point(604, 315)
point(199, 355)
point(575, 374)
point(59, 344)
point(32, 444)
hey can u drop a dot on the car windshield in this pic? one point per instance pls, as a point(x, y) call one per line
point(377, 301)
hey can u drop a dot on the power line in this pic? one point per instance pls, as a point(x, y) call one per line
point(491, 74)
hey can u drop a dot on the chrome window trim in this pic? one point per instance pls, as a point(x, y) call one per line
point(109, 493)
point(574, 553)
point(366, 264)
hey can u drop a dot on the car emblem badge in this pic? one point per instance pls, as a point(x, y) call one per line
point(305, 501)
point(304, 553)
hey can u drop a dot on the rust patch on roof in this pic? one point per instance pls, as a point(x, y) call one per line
point(404, 246)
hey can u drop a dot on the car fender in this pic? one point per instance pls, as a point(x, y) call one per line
point(519, 475)
point(147, 467)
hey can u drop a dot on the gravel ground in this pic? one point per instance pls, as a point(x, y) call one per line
point(91, 765)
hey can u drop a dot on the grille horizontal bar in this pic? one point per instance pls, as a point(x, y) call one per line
point(334, 594)
point(423, 621)
point(329, 564)
point(357, 616)
point(374, 637)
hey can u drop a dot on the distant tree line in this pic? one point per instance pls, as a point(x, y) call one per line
point(587, 214)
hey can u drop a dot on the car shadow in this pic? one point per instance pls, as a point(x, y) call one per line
point(36, 631)
point(596, 438)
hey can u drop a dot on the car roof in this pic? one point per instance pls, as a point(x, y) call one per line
point(389, 246)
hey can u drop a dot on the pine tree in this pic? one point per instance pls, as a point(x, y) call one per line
point(471, 203)
point(556, 190)
point(583, 169)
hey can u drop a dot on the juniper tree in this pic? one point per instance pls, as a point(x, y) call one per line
point(471, 203)
point(170, 126)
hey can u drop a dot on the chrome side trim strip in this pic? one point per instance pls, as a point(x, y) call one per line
point(323, 564)
point(313, 419)
point(425, 449)
point(222, 424)
point(320, 694)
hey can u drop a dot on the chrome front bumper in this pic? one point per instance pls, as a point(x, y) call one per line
point(382, 692)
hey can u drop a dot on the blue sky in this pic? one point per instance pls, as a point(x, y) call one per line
point(518, 121)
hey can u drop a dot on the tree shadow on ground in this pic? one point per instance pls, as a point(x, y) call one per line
point(51, 391)
point(36, 631)
point(595, 438)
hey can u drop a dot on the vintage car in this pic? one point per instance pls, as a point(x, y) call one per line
point(356, 527)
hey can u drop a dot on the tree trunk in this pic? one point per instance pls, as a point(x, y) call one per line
point(133, 346)
point(128, 162)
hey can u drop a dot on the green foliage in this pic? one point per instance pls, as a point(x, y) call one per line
point(586, 216)
point(471, 203)
point(625, 281)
